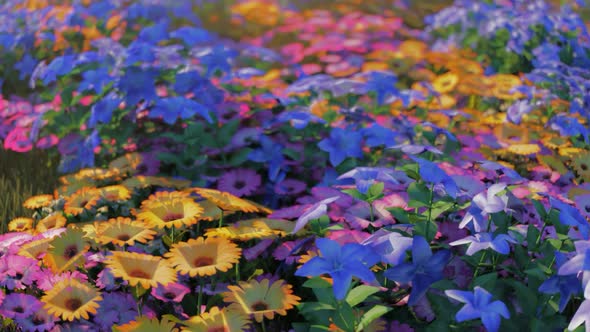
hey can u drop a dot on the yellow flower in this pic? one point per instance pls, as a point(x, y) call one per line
point(54, 220)
point(123, 231)
point(83, 199)
point(35, 248)
point(228, 319)
point(261, 299)
point(97, 174)
point(71, 299)
point(66, 252)
point(145, 324)
point(203, 257)
point(162, 197)
point(38, 201)
point(413, 48)
point(555, 142)
point(127, 163)
point(569, 151)
point(276, 226)
point(20, 224)
point(114, 193)
point(445, 82)
point(241, 233)
point(171, 213)
point(227, 201)
point(142, 181)
point(503, 84)
point(261, 12)
point(143, 269)
point(581, 163)
point(524, 149)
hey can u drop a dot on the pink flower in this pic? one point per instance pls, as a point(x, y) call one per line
point(172, 292)
point(18, 140)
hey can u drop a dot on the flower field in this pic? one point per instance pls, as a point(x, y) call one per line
point(260, 165)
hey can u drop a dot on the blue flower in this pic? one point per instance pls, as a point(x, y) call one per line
point(25, 66)
point(191, 36)
point(102, 110)
point(570, 216)
point(216, 58)
point(430, 172)
point(172, 108)
point(341, 263)
point(138, 84)
point(297, 119)
point(94, 80)
point(139, 51)
point(270, 152)
point(383, 84)
point(426, 268)
point(517, 110)
point(155, 33)
point(579, 263)
point(342, 143)
point(391, 246)
point(582, 315)
point(566, 286)
point(479, 305)
point(364, 177)
point(482, 241)
point(376, 135)
point(60, 66)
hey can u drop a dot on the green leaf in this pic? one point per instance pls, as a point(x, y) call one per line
point(418, 195)
point(307, 307)
point(239, 158)
point(532, 235)
point(375, 191)
point(369, 316)
point(399, 214)
point(486, 279)
point(360, 293)
point(439, 207)
point(355, 193)
point(344, 317)
point(540, 208)
point(316, 282)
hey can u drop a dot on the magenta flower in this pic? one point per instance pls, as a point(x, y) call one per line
point(172, 292)
point(17, 272)
point(239, 182)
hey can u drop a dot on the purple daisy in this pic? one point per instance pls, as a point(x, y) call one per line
point(17, 272)
point(39, 321)
point(19, 306)
point(115, 308)
point(239, 182)
point(290, 187)
point(172, 292)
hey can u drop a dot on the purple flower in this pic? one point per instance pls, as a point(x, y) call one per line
point(341, 144)
point(17, 272)
point(570, 216)
point(517, 110)
point(490, 202)
point(38, 321)
point(582, 315)
point(391, 246)
point(432, 173)
point(290, 187)
point(479, 305)
point(115, 308)
point(566, 286)
point(19, 306)
point(171, 292)
point(239, 182)
point(313, 212)
point(482, 241)
point(341, 263)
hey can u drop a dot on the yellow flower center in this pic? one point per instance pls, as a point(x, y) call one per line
point(202, 261)
point(172, 216)
point(139, 274)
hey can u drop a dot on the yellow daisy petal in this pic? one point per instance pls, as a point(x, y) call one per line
point(71, 299)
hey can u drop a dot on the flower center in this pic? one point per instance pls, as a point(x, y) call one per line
point(38, 320)
point(202, 261)
point(217, 329)
point(139, 274)
point(73, 304)
point(123, 237)
point(239, 184)
point(172, 216)
point(169, 295)
point(19, 309)
point(70, 251)
point(259, 306)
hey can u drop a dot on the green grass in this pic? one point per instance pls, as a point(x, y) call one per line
point(21, 176)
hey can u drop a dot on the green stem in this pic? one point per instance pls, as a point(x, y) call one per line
point(263, 325)
point(220, 219)
point(429, 212)
point(200, 296)
point(475, 273)
point(237, 266)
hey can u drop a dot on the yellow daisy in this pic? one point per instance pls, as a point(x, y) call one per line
point(171, 213)
point(276, 226)
point(71, 299)
point(555, 142)
point(38, 201)
point(569, 151)
point(227, 201)
point(475, 85)
point(228, 319)
point(36, 248)
point(445, 82)
point(127, 163)
point(524, 149)
point(114, 193)
point(203, 257)
point(83, 199)
point(261, 299)
point(146, 324)
point(66, 252)
point(240, 233)
point(124, 231)
point(143, 269)
point(162, 197)
point(21, 224)
point(503, 84)
point(54, 220)
point(581, 163)
point(97, 174)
